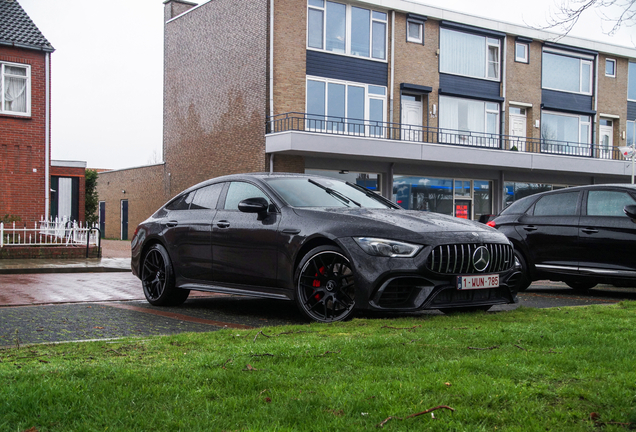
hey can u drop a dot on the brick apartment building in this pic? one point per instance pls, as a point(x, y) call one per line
point(25, 115)
point(435, 109)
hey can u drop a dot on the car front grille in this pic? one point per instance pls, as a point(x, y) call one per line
point(458, 258)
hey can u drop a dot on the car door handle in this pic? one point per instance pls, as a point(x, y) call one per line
point(589, 230)
point(172, 223)
point(530, 228)
point(223, 224)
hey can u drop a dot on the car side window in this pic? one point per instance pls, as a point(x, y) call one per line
point(206, 197)
point(238, 191)
point(562, 204)
point(181, 203)
point(608, 203)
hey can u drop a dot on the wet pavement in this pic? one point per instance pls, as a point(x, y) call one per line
point(53, 307)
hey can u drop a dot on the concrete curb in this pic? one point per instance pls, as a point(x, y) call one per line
point(104, 265)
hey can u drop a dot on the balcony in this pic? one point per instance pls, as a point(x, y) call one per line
point(332, 139)
point(340, 126)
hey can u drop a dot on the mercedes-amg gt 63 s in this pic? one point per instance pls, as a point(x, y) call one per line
point(330, 246)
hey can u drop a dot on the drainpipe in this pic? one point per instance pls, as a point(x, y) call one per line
point(392, 64)
point(47, 131)
point(271, 74)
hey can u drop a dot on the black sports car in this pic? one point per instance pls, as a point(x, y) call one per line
point(331, 246)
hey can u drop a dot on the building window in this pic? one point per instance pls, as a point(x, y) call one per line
point(631, 82)
point(469, 54)
point(565, 73)
point(566, 134)
point(339, 106)
point(631, 133)
point(610, 68)
point(15, 86)
point(346, 29)
point(521, 52)
point(468, 122)
point(414, 31)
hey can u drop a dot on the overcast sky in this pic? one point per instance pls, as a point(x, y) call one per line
point(107, 70)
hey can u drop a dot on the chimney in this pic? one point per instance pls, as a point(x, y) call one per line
point(172, 8)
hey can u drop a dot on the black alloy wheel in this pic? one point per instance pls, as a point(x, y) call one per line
point(157, 279)
point(325, 289)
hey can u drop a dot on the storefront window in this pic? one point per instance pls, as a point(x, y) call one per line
point(515, 191)
point(482, 198)
point(420, 193)
point(367, 180)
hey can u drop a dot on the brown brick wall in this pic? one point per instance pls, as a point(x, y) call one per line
point(612, 95)
point(22, 146)
point(215, 94)
point(74, 172)
point(416, 64)
point(144, 192)
point(523, 84)
point(48, 252)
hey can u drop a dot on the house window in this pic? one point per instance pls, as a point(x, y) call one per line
point(345, 107)
point(469, 122)
point(631, 133)
point(15, 86)
point(521, 52)
point(566, 134)
point(414, 31)
point(346, 29)
point(631, 82)
point(565, 73)
point(469, 54)
point(610, 68)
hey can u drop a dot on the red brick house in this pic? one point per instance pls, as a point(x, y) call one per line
point(25, 116)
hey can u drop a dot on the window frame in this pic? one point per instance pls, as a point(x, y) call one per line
point(631, 70)
point(420, 24)
point(368, 97)
point(525, 59)
point(348, 30)
point(27, 78)
point(487, 44)
point(578, 145)
point(613, 61)
point(583, 59)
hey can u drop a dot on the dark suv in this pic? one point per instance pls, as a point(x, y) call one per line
point(582, 235)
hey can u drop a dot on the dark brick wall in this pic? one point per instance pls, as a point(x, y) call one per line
point(48, 252)
point(22, 145)
point(215, 91)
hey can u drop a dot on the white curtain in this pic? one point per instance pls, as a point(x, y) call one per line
point(462, 53)
point(64, 198)
point(15, 94)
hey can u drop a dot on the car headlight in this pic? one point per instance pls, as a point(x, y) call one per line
point(387, 248)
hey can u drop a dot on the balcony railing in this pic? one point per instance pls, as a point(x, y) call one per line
point(294, 121)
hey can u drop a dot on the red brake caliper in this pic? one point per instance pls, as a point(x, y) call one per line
point(316, 282)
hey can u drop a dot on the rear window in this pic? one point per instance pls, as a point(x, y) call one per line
point(518, 207)
point(608, 203)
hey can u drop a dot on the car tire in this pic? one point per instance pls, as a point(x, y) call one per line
point(524, 280)
point(581, 287)
point(325, 287)
point(157, 279)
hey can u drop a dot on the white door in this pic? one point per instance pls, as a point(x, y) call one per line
point(412, 118)
point(518, 128)
point(606, 139)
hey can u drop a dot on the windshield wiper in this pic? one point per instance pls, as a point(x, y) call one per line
point(334, 193)
point(373, 195)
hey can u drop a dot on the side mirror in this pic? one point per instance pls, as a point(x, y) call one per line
point(630, 211)
point(254, 205)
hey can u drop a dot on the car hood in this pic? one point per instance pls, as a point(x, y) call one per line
point(406, 224)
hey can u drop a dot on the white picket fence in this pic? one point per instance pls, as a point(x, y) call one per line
point(47, 233)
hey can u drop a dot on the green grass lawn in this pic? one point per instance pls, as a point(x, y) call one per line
point(526, 370)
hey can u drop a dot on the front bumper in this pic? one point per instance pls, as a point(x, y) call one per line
point(406, 284)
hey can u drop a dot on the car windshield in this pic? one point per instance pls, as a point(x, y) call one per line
point(323, 192)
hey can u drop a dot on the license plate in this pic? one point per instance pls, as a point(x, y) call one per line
point(477, 282)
